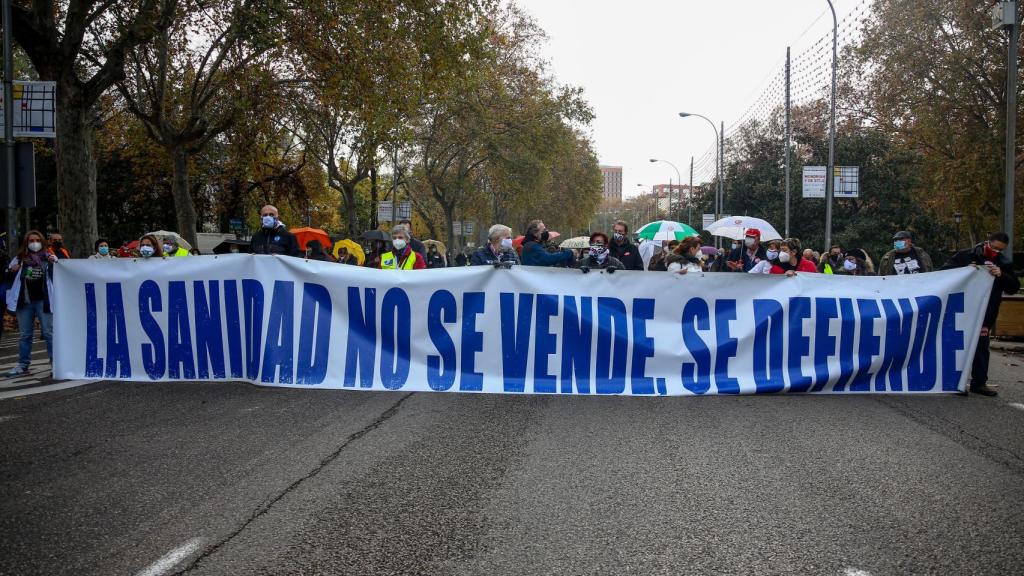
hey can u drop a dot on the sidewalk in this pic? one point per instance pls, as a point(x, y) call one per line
point(40, 371)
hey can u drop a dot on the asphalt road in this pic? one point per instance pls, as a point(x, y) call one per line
point(118, 478)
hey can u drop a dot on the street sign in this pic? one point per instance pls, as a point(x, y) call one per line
point(814, 181)
point(35, 109)
point(385, 211)
point(847, 182)
point(707, 220)
point(467, 228)
point(457, 228)
point(405, 210)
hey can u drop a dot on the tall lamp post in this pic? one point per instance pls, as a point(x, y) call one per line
point(718, 167)
point(679, 182)
point(1005, 18)
point(830, 177)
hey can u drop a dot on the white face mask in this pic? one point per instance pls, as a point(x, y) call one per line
point(167, 247)
point(772, 254)
point(398, 243)
point(748, 242)
point(147, 251)
point(268, 221)
point(784, 257)
point(506, 243)
point(35, 246)
point(850, 265)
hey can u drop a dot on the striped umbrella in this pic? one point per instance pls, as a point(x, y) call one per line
point(666, 230)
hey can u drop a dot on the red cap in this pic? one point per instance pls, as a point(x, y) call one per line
point(753, 232)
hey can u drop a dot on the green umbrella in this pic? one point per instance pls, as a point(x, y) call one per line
point(666, 230)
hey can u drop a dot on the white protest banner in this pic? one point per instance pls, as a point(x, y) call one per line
point(282, 321)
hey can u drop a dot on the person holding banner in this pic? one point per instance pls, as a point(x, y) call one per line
point(598, 257)
point(989, 256)
point(790, 259)
point(101, 250)
point(534, 253)
point(687, 257)
point(498, 250)
point(30, 274)
point(402, 256)
point(149, 247)
point(771, 258)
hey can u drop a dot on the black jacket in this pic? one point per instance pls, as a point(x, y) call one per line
point(277, 241)
point(1007, 283)
point(588, 262)
point(626, 253)
point(748, 263)
point(484, 257)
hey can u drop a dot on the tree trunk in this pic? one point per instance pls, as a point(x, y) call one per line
point(182, 195)
point(76, 177)
point(348, 194)
point(449, 218)
point(373, 199)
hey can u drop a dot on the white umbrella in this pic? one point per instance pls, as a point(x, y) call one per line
point(576, 243)
point(161, 234)
point(736, 227)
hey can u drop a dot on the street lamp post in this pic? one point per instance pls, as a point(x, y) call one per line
point(679, 181)
point(718, 168)
point(830, 178)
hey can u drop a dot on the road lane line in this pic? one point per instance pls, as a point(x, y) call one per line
point(856, 572)
point(1016, 405)
point(171, 559)
point(41, 389)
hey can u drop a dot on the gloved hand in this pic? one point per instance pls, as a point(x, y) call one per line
point(584, 269)
point(611, 269)
point(507, 265)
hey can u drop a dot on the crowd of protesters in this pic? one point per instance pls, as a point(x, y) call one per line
point(29, 274)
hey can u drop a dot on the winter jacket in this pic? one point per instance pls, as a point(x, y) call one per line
point(1008, 283)
point(748, 262)
point(534, 254)
point(277, 241)
point(683, 261)
point(916, 261)
point(16, 286)
point(588, 262)
point(484, 256)
point(627, 253)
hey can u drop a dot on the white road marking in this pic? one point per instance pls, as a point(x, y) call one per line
point(41, 389)
point(856, 572)
point(1016, 405)
point(6, 418)
point(171, 559)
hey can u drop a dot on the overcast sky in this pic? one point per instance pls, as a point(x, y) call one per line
point(641, 62)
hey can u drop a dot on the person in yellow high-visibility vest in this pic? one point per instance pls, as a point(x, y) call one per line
point(401, 256)
point(171, 248)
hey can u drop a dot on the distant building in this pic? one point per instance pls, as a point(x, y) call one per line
point(679, 195)
point(612, 182)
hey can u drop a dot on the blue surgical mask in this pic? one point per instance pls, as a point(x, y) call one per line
point(268, 221)
point(104, 250)
point(772, 254)
point(850, 265)
point(900, 244)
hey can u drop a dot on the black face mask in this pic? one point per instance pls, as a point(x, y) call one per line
point(544, 236)
point(56, 244)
